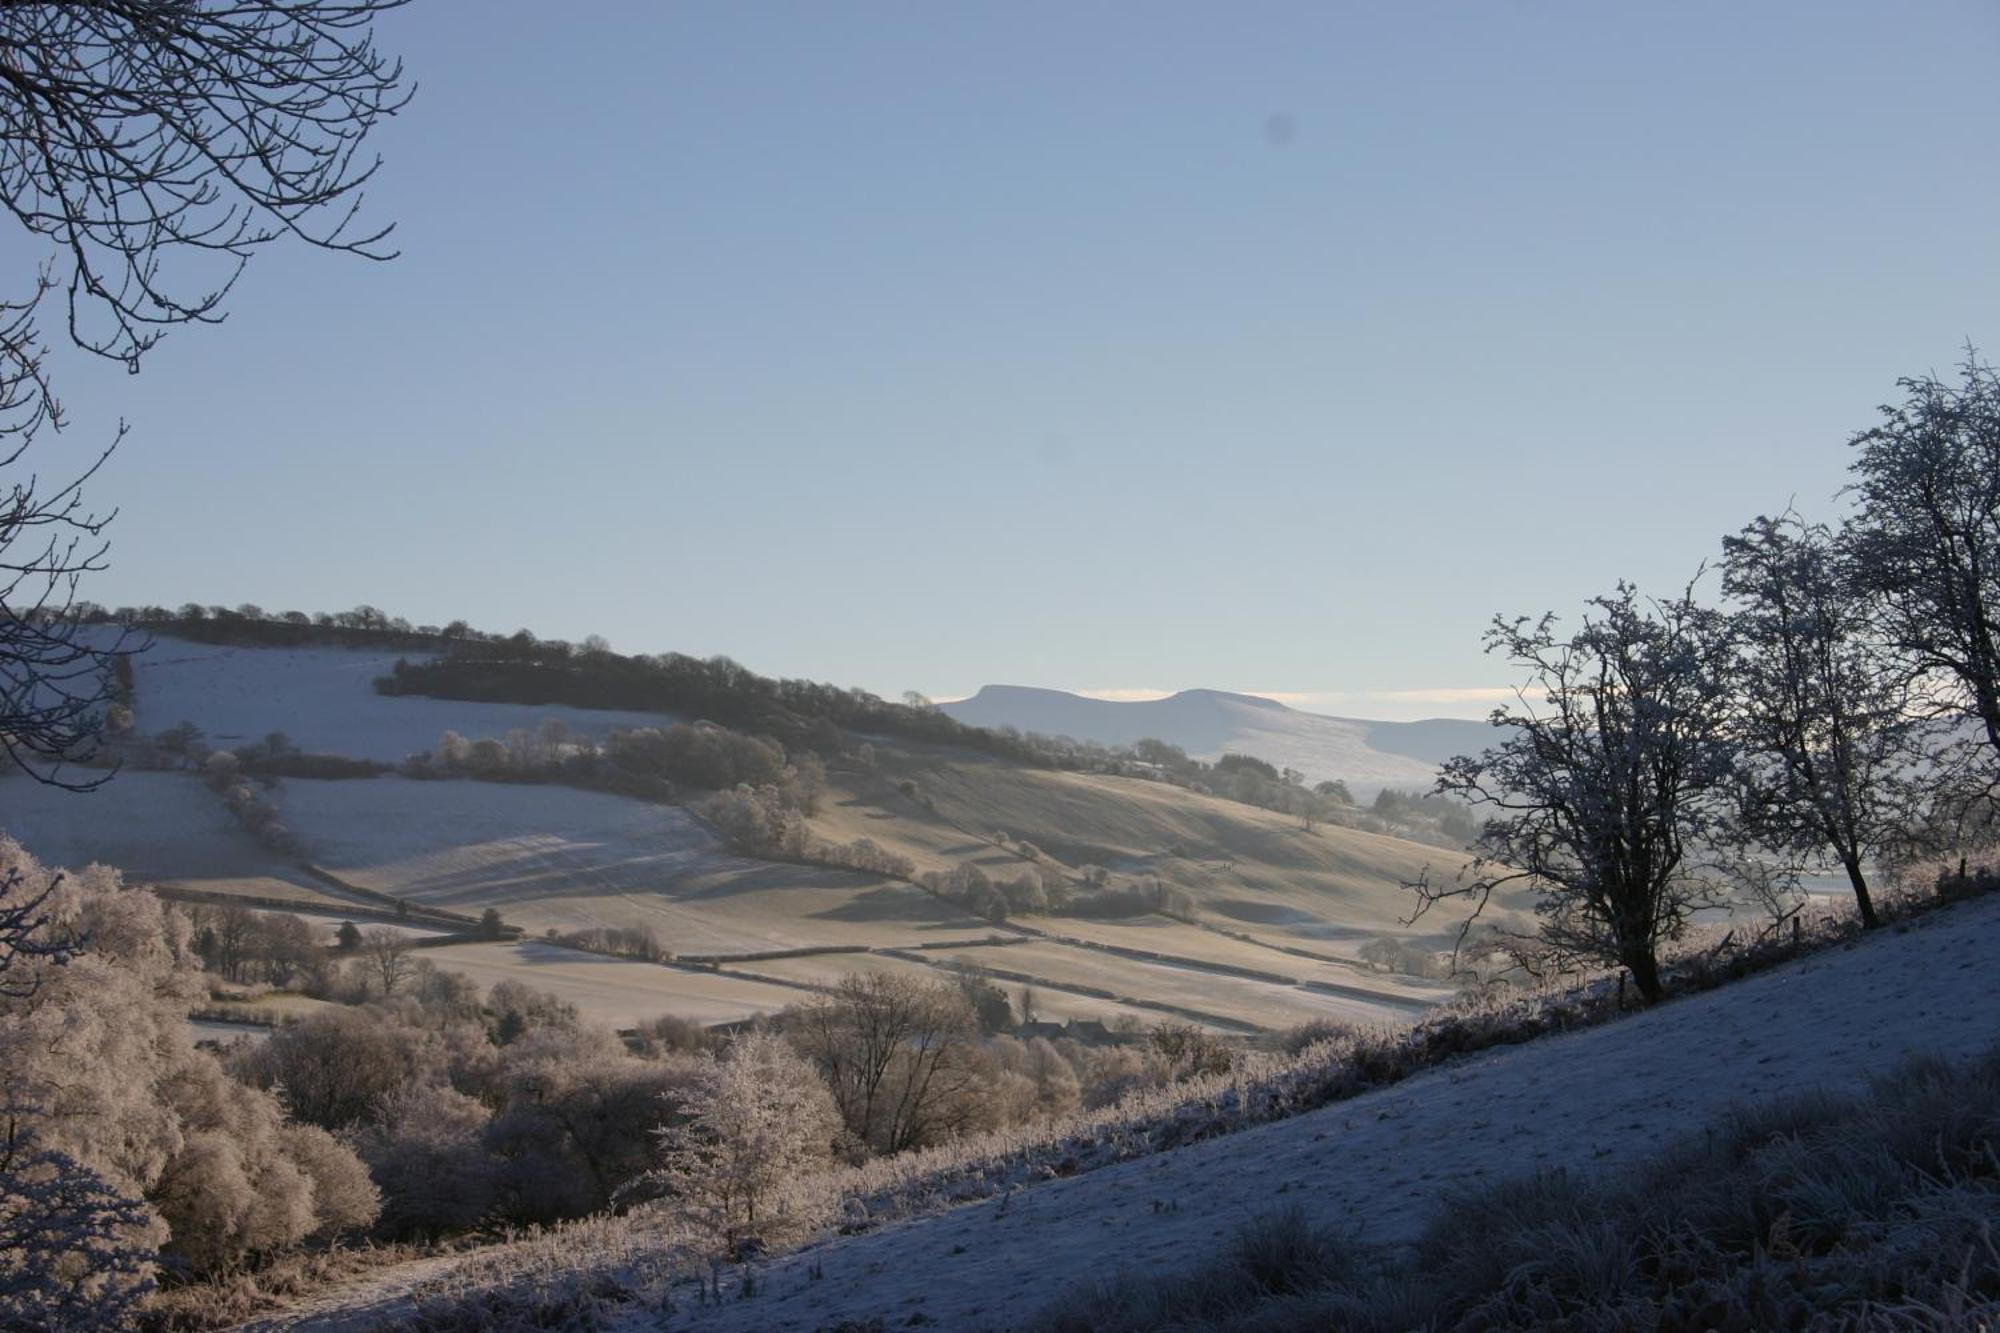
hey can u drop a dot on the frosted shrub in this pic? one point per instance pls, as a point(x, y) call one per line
point(578, 1122)
point(757, 1131)
point(245, 1182)
point(428, 1145)
point(97, 1067)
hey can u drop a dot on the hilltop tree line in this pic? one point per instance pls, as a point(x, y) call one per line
point(1840, 709)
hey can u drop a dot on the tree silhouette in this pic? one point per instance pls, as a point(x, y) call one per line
point(153, 146)
point(1604, 786)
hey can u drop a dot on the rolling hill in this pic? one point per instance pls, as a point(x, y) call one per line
point(1367, 756)
point(1276, 913)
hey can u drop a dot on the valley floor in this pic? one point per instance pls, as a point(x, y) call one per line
point(1379, 1164)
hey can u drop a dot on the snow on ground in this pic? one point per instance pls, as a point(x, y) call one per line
point(1052, 1006)
point(1260, 1004)
point(615, 991)
point(156, 827)
point(556, 857)
point(324, 699)
point(226, 1034)
point(459, 843)
point(1179, 940)
point(1381, 1163)
point(327, 925)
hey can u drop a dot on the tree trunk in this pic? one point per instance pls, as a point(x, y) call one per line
point(1861, 897)
point(1645, 970)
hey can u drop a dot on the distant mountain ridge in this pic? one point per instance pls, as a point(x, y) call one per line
point(1365, 754)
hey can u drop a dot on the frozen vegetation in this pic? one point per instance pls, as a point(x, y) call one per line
point(1375, 1169)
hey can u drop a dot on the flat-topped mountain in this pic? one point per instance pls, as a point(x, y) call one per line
point(1367, 755)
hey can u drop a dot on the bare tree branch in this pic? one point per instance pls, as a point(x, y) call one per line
point(154, 146)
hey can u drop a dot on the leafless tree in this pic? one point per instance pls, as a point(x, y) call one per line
point(23, 913)
point(1602, 791)
point(895, 1051)
point(1820, 716)
point(753, 1128)
point(153, 146)
point(1927, 542)
point(388, 957)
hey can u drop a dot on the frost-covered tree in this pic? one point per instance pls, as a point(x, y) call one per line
point(245, 1181)
point(577, 1123)
point(756, 1126)
point(1607, 781)
point(75, 1253)
point(335, 1067)
point(758, 821)
point(25, 904)
point(97, 1066)
point(1926, 535)
point(898, 1055)
point(518, 1008)
point(385, 953)
point(427, 1144)
point(1820, 717)
point(286, 946)
point(1051, 1084)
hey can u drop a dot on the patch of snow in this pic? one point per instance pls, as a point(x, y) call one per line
point(619, 992)
point(324, 700)
point(152, 826)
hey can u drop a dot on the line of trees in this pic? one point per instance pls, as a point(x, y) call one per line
point(652, 762)
point(1839, 710)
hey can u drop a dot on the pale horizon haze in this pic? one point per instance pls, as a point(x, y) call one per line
point(1270, 348)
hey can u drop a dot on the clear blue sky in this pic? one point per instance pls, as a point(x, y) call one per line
point(1116, 347)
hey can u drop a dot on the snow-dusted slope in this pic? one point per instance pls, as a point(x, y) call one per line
point(1209, 723)
point(324, 700)
point(1380, 1163)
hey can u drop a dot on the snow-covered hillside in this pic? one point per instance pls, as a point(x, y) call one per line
point(1380, 1163)
point(152, 826)
point(324, 700)
point(1210, 723)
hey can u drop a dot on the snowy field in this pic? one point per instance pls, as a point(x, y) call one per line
point(615, 991)
point(324, 699)
point(1381, 1163)
point(1050, 1006)
point(554, 857)
point(227, 1034)
point(327, 925)
point(156, 827)
point(1164, 935)
point(463, 844)
point(1258, 1004)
